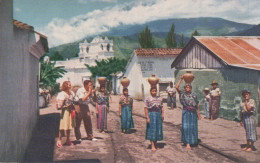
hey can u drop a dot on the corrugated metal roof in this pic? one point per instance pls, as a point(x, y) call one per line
point(239, 51)
point(158, 52)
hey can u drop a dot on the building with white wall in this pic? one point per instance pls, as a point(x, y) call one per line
point(145, 62)
point(20, 50)
point(99, 48)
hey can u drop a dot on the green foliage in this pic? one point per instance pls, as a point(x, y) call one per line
point(56, 57)
point(76, 55)
point(182, 42)
point(195, 33)
point(49, 74)
point(171, 38)
point(145, 38)
point(106, 67)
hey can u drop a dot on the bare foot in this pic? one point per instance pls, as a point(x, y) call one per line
point(153, 149)
point(188, 147)
point(249, 150)
point(244, 149)
point(122, 133)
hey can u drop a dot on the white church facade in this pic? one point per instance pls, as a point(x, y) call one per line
point(99, 48)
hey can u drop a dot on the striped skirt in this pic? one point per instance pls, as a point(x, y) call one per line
point(214, 109)
point(154, 129)
point(189, 127)
point(102, 117)
point(127, 121)
point(249, 124)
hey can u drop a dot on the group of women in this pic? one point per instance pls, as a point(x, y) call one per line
point(154, 114)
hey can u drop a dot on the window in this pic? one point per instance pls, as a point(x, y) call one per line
point(108, 47)
point(102, 47)
point(87, 49)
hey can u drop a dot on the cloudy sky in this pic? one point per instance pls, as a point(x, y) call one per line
point(65, 21)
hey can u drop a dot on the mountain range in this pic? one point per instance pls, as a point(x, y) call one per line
point(125, 37)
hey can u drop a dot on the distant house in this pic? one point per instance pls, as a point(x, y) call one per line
point(21, 47)
point(234, 62)
point(145, 62)
point(77, 72)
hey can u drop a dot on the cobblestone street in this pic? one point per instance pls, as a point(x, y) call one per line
point(220, 140)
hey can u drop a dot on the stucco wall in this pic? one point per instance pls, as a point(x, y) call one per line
point(18, 91)
point(231, 82)
point(76, 76)
point(160, 67)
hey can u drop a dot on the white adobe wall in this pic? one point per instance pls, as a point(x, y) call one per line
point(76, 76)
point(18, 91)
point(161, 68)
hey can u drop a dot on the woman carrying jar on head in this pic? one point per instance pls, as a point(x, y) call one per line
point(190, 115)
point(154, 118)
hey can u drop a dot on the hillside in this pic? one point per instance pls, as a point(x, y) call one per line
point(204, 25)
point(254, 31)
point(125, 37)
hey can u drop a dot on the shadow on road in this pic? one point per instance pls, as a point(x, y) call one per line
point(82, 160)
point(41, 145)
point(131, 131)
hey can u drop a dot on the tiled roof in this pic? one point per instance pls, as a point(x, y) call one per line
point(25, 26)
point(158, 52)
point(22, 25)
point(241, 51)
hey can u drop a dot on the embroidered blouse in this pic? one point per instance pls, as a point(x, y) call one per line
point(126, 100)
point(154, 103)
point(189, 99)
point(102, 99)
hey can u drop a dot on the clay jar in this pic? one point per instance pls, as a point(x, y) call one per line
point(125, 82)
point(188, 77)
point(153, 80)
point(102, 80)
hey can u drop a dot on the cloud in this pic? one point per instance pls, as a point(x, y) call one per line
point(62, 31)
point(87, 1)
point(17, 9)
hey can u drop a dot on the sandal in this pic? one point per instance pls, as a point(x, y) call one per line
point(69, 144)
point(59, 144)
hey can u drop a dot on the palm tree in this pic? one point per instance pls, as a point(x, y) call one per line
point(49, 74)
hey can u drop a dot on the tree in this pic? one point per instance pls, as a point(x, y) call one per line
point(49, 74)
point(145, 38)
point(56, 57)
point(195, 33)
point(171, 38)
point(107, 67)
point(182, 42)
point(76, 55)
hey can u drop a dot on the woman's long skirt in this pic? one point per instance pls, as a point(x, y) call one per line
point(214, 109)
point(127, 121)
point(206, 107)
point(102, 117)
point(189, 127)
point(154, 129)
point(249, 124)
